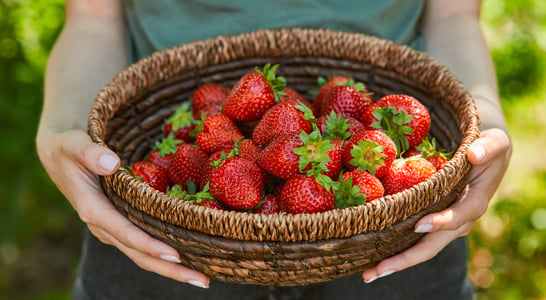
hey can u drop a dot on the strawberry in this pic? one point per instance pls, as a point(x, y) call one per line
point(325, 86)
point(281, 119)
point(254, 94)
point(334, 126)
point(237, 182)
point(324, 156)
point(429, 151)
point(202, 198)
point(208, 165)
point(216, 132)
point(293, 95)
point(154, 175)
point(303, 194)
point(403, 118)
point(268, 205)
point(279, 159)
point(369, 150)
point(187, 165)
point(358, 187)
point(208, 94)
point(349, 99)
point(163, 152)
point(181, 123)
point(405, 173)
point(248, 149)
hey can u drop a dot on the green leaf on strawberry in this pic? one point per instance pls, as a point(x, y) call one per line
point(348, 194)
point(313, 152)
point(393, 122)
point(277, 83)
point(167, 145)
point(368, 155)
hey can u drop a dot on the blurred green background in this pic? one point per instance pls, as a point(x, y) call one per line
point(40, 233)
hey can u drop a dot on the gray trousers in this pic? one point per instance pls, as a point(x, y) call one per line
point(106, 273)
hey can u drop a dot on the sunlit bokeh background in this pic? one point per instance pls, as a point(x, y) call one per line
point(41, 234)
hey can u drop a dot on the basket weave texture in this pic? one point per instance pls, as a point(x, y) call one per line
point(281, 249)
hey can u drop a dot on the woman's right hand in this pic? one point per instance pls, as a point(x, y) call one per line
point(74, 162)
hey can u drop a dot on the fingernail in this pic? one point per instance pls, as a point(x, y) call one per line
point(386, 273)
point(479, 152)
point(198, 284)
point(107, 161)
point(370, 280)
point(423, 228)
point(170, 258)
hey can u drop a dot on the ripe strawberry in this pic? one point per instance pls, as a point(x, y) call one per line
point(370, 150)
point(248, 149)
point(154, 175)
point(325, 86)
point(349, 99)
point(358, 187)
point(208, 165)
point(429, 151)
point(293, 95)
point(208, 94)
point(401, 117)
point(217, 132)
point(268, 205)
point(325, 156)
point(334, 126)
point(237, 182)
point(279, 159)
point(181, 123)
point(405, 173)
point(303, 194)
point(254, 94)
point(202, 198)
point(187, 165)
point(281, 119)
point(163, 152)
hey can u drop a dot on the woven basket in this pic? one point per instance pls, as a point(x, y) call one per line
point(280, 249)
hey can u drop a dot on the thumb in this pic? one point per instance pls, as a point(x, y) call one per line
point(98, 159)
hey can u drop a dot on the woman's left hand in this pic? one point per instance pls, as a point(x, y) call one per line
point(489, 156)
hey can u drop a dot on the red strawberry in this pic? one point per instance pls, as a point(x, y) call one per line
point(163, 152)
point(369, 188)
point(281, 119)
point(187, 165)
point(254, 94)
point(217, 132)
point(334, 126)
point(202, 198)
point(208, 165)
point(249, 150)
point(405, 173)
point(332, 158)
point(269, 205)
point(181, 123)
point(237, 182)
point(208, 94)
point(303, 194)
point(429, 151)
point(279, 159)
point(369, 150)
point(350, 100)
point(401, 117)
point(293, 95)
point(325, 87)
point(154, 175)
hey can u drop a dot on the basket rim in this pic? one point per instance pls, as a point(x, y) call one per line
point(207, 52)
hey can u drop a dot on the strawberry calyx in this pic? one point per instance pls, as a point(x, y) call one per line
point(277, 83)
point(367, 155)
point(182, 116)
point(336, 127)
point(199, 125)
point(191, 194)
point(166, 145)
point(313, 158)
point(348, 194)
point(393, 123)
point(428, 149)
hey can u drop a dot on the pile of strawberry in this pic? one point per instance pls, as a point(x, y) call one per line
point(261, 147)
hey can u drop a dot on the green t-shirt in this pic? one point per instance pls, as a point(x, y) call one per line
point(159, 24)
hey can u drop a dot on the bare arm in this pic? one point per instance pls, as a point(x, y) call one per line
point(453, 36)
point(87, 54)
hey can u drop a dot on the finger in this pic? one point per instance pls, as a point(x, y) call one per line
point(97, 159)
point(427, 248)
point(491, 144)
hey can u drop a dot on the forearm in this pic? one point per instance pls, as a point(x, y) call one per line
point(87, 54)
point(454, 38)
